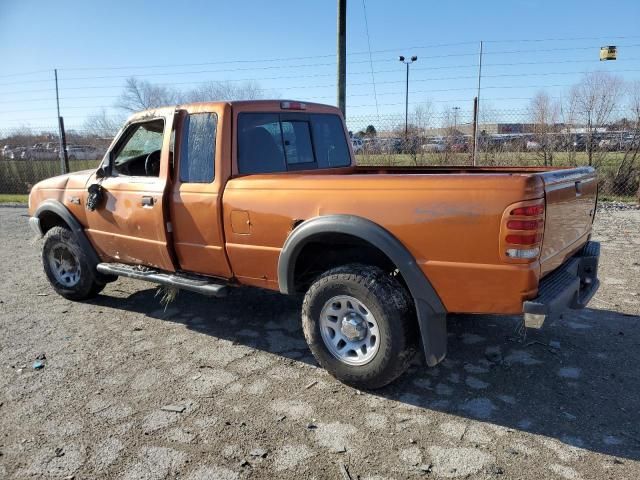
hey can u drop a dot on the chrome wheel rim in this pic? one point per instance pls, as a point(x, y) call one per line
point(349, 330)
point(64, 265)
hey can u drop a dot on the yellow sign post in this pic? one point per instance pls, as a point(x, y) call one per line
point(608, 53)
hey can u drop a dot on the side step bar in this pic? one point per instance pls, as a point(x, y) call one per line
point(202, 285)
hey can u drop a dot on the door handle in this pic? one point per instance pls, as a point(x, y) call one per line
point(147, 201)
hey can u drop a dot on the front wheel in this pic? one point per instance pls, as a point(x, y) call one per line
point(67, 266)
point(360, 325)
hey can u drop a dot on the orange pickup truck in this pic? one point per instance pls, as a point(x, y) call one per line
point(209, 196)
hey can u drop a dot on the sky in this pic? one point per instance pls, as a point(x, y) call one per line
point(289, 49)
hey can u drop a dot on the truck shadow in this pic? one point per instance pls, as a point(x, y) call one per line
point(577, 380)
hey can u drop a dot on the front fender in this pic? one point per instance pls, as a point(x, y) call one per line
point(57, 208)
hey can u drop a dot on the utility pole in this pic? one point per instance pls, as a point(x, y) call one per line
point(342, 56)
point(406, 97)
point(477, 110)
point(475, 127)
point(455, 119)
point(64, 161)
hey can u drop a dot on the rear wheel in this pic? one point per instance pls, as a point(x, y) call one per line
point(360, 325)
point(67, 266)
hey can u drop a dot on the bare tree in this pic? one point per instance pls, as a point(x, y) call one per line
point(593, 100)
point(220, 91)
point(141, 95)
point(423, 114)
point(102, 125)
point(544, 114)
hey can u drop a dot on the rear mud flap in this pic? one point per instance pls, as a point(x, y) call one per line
point(433, 331)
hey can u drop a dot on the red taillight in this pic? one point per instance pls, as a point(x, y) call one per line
point(523, 239)
point(530, 211)
point(293, 106)
point(524, 224)
point(523, 236)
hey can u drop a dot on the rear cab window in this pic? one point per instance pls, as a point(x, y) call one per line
point(280, 142)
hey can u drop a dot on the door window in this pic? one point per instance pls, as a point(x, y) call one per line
point(138, 152)
point(197, 156)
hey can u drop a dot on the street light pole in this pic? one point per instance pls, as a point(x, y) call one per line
point(342, 56)
point(477, 110)
point(406, 98)
point(455, 119)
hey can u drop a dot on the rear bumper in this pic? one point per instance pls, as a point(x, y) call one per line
point(571, 286)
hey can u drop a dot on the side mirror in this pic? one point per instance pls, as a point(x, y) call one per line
point(105, 168)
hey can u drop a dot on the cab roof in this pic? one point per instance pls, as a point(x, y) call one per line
point(245, 105)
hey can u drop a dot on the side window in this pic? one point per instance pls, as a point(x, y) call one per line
point(260, 143)
point(198, 146)
point(330, 141)
point(138, 152)
point(297, 142)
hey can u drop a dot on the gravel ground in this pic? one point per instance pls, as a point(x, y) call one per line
point(225, 389)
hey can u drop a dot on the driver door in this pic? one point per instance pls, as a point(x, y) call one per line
point(129, 225)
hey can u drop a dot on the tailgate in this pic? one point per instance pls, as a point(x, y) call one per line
point(570, 207)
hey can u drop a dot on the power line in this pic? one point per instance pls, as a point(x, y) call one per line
point(369, 83)
point(330, 55)
point(489, 87)
point(281, 77)
point(314, 65)
point(158, 74)
point(269, 60)
point(563, 39)
point(25, 73)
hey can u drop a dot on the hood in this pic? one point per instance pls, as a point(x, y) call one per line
point(54, 187)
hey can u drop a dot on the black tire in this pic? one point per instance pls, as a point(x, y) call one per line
point(393, 310)
point(87, 286)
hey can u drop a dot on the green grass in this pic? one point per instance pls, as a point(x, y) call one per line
point(13, 198)
point(18, 176)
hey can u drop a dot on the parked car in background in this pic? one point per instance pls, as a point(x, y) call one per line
point(582, 140)
point(434, 145)
point(39, 151)
point(629, 141)
point(82, 152)
point(390, 145)
point(533, 145)
point(459, 145)
point(357, 144)
point(17, 153)
point(6, 150)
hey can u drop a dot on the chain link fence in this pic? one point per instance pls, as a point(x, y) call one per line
point(507, 139)
point(29, 155)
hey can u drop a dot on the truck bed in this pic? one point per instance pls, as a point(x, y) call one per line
point(570, 197)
